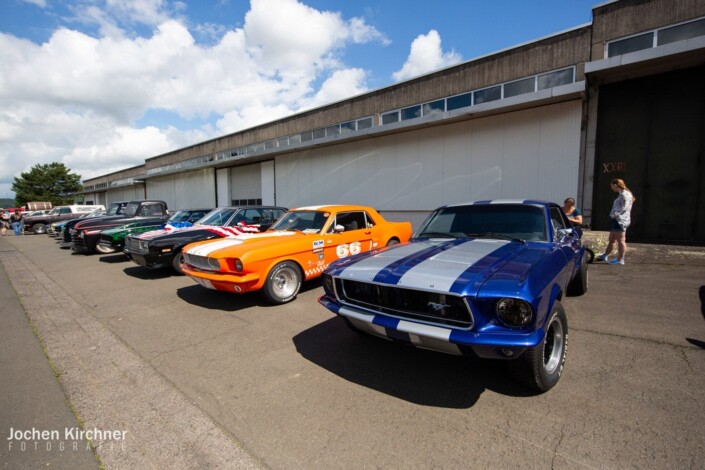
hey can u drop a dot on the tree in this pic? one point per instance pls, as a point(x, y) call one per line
point(51, 182)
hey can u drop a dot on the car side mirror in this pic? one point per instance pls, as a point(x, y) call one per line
point(339, 228)
point(562, 233)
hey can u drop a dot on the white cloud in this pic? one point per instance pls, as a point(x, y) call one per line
point(426, 55)
point(341, 84)
point(39, 3)
point(75, 98)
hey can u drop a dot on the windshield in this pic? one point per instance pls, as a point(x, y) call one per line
point(116, 209)
point(518, 221)
point(131, 209)
point(180, 216)
point(218, 217)
point(304, 221)
point(95, 213)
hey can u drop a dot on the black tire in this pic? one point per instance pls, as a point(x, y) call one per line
point(579, 284)
point(393, 241)
point(176, 263)
point(541, 366)
point(283, 283)
point(39, 228)
point(590, 255)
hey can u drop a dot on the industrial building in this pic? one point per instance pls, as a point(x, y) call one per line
point(620, 97)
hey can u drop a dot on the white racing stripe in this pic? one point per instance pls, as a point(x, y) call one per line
point(440, 271)
point(208, 248)
point(367, 269)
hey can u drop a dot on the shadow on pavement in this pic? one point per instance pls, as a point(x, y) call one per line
point(231, 302)
point(114, 259)
point(415, 375)
point(148, 274)
point(219, 300)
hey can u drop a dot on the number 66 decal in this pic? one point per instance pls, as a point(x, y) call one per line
point(345, 250)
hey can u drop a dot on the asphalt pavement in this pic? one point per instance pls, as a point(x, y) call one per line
point(185, 377)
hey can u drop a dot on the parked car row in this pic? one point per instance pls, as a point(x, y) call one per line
point(482, 279)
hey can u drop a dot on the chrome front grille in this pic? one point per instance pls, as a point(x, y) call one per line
point(432, 307)
point(202, 262)
point(136, 245)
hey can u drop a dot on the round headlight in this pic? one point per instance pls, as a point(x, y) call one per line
point(214, 263)
point(327, 281)
point(514, 312)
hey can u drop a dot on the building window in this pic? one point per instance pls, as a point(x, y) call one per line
point(488, 94)
point(681, 32)
point(435, 107)
point(269, 144)
point(347, 127)
point(632, 44)
point(459, 101)
point(520, 87)
point(283, 141)
point(319, 133)
point(364, 123)
point(557, 78)
point(294, 139)
point(412, 112)
point(306, 136)
point(332, 130)
point(389, 118)
point(246, 202)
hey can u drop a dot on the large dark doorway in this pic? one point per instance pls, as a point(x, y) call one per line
point(651, 133)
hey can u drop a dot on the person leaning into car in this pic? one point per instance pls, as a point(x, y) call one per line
point(572, 212)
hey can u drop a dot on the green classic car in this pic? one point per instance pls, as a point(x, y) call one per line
point(113, 240)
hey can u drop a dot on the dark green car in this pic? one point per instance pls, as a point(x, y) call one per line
point(113, 240)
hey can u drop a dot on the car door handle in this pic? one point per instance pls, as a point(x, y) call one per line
point(367, 233)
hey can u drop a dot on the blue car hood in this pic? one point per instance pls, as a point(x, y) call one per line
point(458, 266)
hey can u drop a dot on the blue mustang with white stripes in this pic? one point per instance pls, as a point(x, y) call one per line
point(484, 279)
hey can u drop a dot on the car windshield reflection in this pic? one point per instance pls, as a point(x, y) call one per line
point(302, 221)
point(504, 221)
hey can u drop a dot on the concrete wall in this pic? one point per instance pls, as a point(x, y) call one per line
point(526, 154)
point(191, 190)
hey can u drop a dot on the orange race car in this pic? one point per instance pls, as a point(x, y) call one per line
point(299, 246)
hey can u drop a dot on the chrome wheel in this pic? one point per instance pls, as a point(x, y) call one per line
point(283, 283)
point(105, 250)
point(553, 346)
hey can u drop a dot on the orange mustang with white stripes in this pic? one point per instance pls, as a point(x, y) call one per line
point(299, 246)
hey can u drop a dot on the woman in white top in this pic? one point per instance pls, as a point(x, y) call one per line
point(621, 219)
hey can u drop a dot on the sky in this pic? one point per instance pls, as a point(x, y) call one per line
point(102, 85)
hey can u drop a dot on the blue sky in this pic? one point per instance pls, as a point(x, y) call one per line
point(101, 85)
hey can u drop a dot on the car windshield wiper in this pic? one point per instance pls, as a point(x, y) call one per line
point(439, 235)
point(501, 236)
